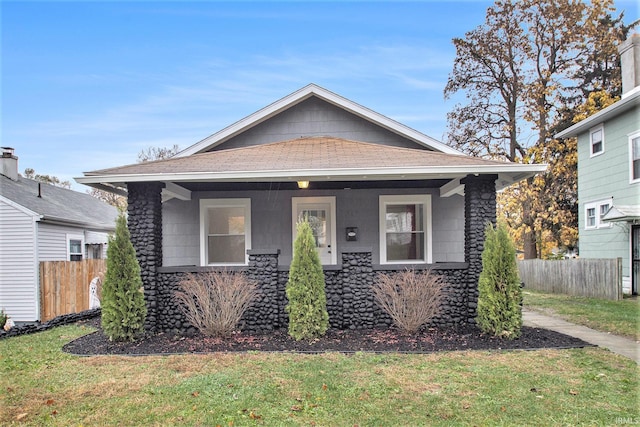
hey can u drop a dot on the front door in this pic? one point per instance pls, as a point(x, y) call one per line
point(635, 258)
point(320, 212)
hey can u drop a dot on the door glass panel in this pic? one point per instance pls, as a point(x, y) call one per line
point(319, 212)
point(317, 219)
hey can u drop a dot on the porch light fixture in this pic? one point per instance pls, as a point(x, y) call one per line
point(303, 184)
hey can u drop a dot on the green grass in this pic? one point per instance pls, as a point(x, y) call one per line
point(618, 317)
point(40, 385)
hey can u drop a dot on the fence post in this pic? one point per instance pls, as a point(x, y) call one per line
point(618, 294)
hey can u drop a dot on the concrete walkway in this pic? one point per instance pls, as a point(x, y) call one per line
point(623, 346)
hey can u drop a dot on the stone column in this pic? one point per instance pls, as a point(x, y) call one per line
point(267, 311)
point(479, 209)
point(356, 279)
point(145, 226)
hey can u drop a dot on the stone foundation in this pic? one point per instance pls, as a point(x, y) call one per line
point(350, 302)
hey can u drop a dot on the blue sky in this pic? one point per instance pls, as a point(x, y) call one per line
point(88, 85)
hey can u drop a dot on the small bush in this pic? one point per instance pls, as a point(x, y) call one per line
point(411, 299)
point(123, 306)
point(499, 292)
point(214, 302)
point(3, 318)
point(307, 307)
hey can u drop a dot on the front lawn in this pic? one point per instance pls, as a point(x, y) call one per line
point(43, 386)
point(618, 317)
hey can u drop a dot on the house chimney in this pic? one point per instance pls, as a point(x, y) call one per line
point(630, 63)
point(9, 164)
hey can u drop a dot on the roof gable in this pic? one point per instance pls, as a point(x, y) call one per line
point(304, 94)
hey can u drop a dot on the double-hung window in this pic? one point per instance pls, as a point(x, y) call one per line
point(405, 229)
point(591, 218)
point(596, 139)
point(595, 212)
point(225, 230)
point(604, 208)
point(634, 155)
point(75, 247)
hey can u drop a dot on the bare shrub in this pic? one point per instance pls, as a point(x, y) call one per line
point(411, 299)
point(214, 302)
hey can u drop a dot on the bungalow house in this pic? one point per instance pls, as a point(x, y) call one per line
point(41, 222)
point(609, 174)
point(380, 196)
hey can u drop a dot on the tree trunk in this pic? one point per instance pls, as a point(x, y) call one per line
point(529, 237)
point(530, 246)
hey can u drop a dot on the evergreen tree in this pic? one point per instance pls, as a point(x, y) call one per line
point(123, 305)
point(500, 295)
point(307, 308)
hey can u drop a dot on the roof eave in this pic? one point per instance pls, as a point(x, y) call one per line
point(601, 116)
point(516, 171)
point(81, 224)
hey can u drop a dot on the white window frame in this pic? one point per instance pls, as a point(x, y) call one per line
point(205, 205)
point(632, 136)
point(597, 205)
point(591, 132)
point(587, 216)
point(405, 199)
point(71, 237)
point(331, 200)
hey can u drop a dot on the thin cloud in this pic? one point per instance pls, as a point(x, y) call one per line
point(203, 98)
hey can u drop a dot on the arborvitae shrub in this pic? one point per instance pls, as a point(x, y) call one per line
point(123, 305)
point(500, 295)
point(307, 307)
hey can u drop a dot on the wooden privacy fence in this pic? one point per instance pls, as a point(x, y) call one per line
point(64, 286)
point(598, 278)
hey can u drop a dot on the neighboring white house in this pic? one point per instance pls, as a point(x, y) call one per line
point(41, 222)
point(609, 174)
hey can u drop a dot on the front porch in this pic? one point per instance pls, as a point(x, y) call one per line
point(348, 281)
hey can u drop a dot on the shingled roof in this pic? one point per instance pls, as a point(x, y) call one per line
point(311, 157)
point(58, 204)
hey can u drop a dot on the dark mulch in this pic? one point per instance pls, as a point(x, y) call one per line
point(377, 340)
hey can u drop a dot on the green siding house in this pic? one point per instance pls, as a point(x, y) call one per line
point(609, 174)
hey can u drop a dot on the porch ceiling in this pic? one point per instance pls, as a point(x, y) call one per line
point(316, 159)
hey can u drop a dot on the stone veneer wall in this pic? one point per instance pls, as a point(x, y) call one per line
point(479, 209)
point(145, 226)
point(349, 300)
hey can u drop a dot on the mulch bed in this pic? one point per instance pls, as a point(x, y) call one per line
point(377, 340)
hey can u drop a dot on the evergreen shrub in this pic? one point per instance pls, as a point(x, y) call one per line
point(123, 305)
point(307, 307)
point(500, 294)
